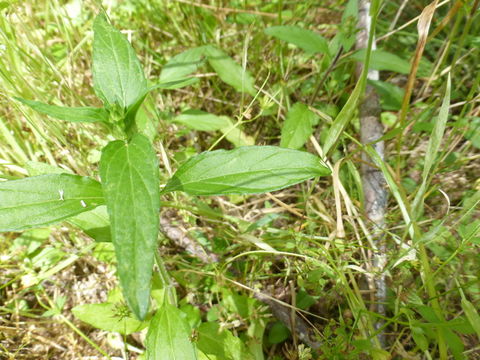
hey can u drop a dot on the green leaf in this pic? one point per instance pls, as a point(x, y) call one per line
point(46, 199)
point(391, 96)
point(298, 126)
point(73, 114)
point(94, 223)
point(146, 119)
point(35, 168)
point(118, 76)
point(130, 180)
point(108, 317)
point(278, 333)
point(383, 60)
point(419, 337)
point(245, 170)
point(236, 136)
point(182, 65)
point(433, 148)
point(305, 39)
point(473, 131)
point(177, 84)
point(437, 133)
point(220, 343)
point(472, 315)
point(342, 119)
point(203, 121)
point(454, 343)
point(168, 336)
point(229, 71)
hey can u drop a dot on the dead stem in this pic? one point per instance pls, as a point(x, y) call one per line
point(374, 188)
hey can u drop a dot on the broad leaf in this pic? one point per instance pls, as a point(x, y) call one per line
point(229, 71)
point(46, 199)
point(168, 336)
point(177, 84)
point(182, 65)
point(278, 333)
point(221, 343)
point(390, 95)
point(383, 60)
point(94, 223)
point(73, 114)
point(109, 317)
point(305, 39)
point(236, 136)
point(130, 180)
point(203, 121)
point(35, 168)
point(298, 126)
point(245, 170)
point(118, 76)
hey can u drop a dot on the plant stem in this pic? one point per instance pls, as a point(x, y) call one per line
point(166, 280)
point(375, 194)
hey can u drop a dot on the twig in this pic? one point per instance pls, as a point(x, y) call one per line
point(181, 238)
point(374, 185)
point(326, 74)
point(302, 330)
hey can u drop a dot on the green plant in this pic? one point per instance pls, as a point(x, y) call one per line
point(130, 179)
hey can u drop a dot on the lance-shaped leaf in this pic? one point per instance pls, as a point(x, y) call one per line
point(383, 60)
point(73, 114)
point(221, 343)
point(229, 71)
point(203, 121)
point(46, 199)
point(298, 126)
point(106, 316)
point(305, 39)
point(182, 65)
point(245, 170)
point(168, 336)
point(130, 180)
point(343, 118)
point(94, 223)
point(118, 76)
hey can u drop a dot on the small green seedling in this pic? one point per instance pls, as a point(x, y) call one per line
point(129, 169)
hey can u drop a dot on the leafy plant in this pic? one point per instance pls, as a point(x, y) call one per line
point(130, 179)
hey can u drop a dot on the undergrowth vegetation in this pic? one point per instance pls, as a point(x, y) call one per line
point(239, 271)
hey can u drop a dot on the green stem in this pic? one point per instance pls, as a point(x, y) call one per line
point(166, 280)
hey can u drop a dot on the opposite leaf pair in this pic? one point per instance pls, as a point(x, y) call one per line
point(129, 169)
